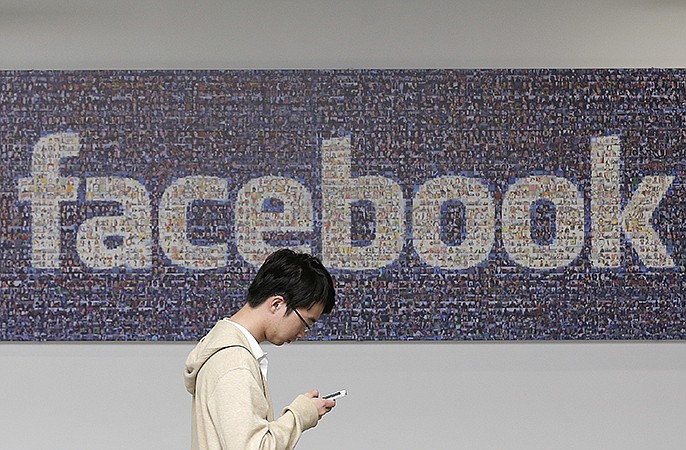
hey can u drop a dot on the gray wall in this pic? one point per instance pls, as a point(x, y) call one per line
point(609, 395)
point(533, 396)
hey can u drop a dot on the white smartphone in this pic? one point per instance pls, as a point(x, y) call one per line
point(336, 395)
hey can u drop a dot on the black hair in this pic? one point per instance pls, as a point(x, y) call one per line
point(301, 279)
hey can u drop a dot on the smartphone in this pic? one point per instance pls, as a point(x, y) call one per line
point(336, 395)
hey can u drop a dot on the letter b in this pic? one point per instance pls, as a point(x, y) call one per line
point(339, 191)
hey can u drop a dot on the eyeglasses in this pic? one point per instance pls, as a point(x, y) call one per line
point(307, 325)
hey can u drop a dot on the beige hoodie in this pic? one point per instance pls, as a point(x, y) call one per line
point(232, 407)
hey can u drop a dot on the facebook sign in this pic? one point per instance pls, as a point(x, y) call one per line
point(448, 204)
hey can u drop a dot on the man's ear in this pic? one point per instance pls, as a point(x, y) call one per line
point(276, 303)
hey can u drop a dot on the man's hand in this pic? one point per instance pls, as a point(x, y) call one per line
point(323, 405)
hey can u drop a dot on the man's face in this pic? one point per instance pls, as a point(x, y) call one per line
point(286, 328)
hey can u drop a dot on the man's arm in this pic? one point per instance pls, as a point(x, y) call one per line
point(239, 410)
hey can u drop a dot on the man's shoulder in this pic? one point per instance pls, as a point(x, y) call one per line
point(224, 343)
point(231, 358)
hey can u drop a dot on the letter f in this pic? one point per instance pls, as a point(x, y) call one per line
point(45, 189)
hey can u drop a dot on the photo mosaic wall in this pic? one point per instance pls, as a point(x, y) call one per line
point(448, 204)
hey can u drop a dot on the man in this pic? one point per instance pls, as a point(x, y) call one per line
point(226, 371)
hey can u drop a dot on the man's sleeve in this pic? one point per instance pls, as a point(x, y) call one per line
point(239, 409)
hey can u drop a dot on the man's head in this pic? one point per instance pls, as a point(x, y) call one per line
point(293, 282)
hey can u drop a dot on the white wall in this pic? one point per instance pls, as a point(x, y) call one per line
point(610, 395)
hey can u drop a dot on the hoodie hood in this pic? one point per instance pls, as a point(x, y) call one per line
point(222, 335)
